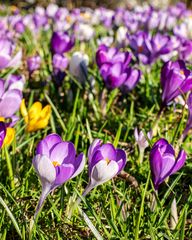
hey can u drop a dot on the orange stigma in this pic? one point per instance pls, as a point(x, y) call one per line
point(55, 164)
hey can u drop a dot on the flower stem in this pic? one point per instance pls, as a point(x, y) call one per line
point(10, 169)
point(156, 123)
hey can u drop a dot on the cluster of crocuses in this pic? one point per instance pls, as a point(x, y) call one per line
point(151, 34)
point(56, 162)
point(114, 69)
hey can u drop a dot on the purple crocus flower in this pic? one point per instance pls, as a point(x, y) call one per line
point(55, 162)
point(6, 54)
point(163, 162)
point(33, 63)
point(175, 80)
point(105, 162)
point(114, 69)
point(59, 62)
point(61, 42)
point(140, 43)
point(10, 100)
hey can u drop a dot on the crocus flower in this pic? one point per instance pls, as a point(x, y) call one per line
point(10, 99)
point(6, 54)
point(113, 67)
point(141, 139)
point(163, 162)
point(33, 63)
point(55, 163)
point(105, 162)
point(59, 62)
point(175, 80)
point(61, 42)
point(36, 117)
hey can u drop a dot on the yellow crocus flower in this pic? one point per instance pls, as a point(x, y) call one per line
point(36, 117)
point(10, 134)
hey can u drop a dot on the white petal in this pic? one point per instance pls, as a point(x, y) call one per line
point(44, 168)
point(102, 172)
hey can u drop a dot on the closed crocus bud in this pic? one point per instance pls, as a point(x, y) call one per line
point(175, 80)
point(7, 57)
point(105, 162)
point(10, 100)
point(55, 163)
point(33, 63)
point(78, 65)
point(141, 139)
point(163, 162)
point(61, 42)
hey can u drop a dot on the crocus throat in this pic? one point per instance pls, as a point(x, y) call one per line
point(182, 72)
point(107, 160)
point(55, 164)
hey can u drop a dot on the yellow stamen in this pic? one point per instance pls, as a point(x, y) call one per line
point(2, 119)
point(107, 160)
point(182, 72)
point(55, 163)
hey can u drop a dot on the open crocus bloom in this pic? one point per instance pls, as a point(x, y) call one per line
point(163, 162)
point(10, 99)
point(6, 52)
point(37, 117)
point(104, 163)
point(55, 163)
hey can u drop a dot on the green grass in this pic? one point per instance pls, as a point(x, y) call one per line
point(116, 209)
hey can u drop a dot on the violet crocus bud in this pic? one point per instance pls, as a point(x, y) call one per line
point(55, 163)
point(61, 42)
point(105, 162)
point(33, 63)
point(176, 79)
point(163, 162)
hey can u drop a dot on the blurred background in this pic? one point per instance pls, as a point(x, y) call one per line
point(93, 4)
